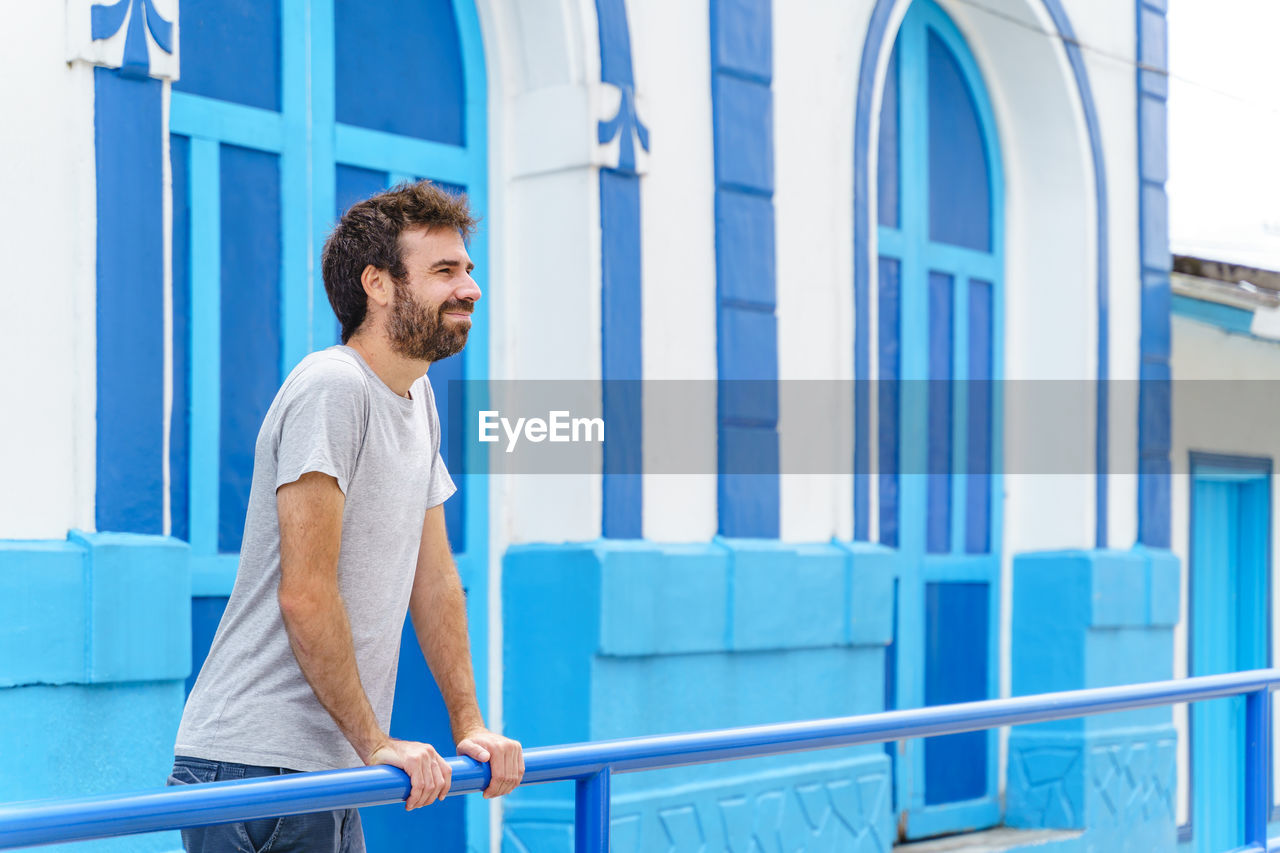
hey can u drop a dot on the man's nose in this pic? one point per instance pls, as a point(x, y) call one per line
point(468, 290)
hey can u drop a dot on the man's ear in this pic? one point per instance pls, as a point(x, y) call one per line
point(377, 285)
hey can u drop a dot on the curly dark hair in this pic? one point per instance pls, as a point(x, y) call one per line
point(369, 233)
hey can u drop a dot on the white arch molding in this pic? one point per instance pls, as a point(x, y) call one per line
point(544, 99)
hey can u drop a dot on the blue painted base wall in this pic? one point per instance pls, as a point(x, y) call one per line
point(1093, 619)
point(614, 639)
point(95, 642)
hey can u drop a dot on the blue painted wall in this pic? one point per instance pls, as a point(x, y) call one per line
point(746, 325)
point(1092, 619)
point(610, 639)
point(93, 653)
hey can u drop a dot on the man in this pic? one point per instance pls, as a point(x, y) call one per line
point(344, 531)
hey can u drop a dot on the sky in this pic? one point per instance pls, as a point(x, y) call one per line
point(1224, 130)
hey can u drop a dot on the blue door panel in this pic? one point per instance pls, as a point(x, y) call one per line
point(959, 185)
point(888, 181)
point(399, 68)
point(231, 51)
point(979, 390)
point(938, 520)
point(958, 624)
point(418, 714)
point(250, 351)
point(889, 388)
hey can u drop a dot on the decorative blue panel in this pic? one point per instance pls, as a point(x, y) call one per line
point(621, 334)
point(399, 68)
point(250, 357)
point(959, 178)
point(740, 38)
point(743, 116)
point(888, 316)
point(888, 164)
point(744, 272)
point(977, 519)
point(231, 51)
point(180, 415)
point(938, 500)
point(130, 322)
point(956, 637)
point(356, 184)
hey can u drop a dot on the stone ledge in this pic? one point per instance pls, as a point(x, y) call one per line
point(997, 840)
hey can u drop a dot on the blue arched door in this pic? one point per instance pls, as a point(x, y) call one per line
point(286, 113)
point(938, 330)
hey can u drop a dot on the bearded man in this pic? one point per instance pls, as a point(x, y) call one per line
point(345, 530)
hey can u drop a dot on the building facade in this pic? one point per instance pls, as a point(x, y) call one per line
point(923, 242)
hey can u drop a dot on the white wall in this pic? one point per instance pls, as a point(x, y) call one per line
point(47, 241)
point(817, 51)
point(671, 55)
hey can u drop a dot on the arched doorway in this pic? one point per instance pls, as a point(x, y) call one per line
point(938, 333)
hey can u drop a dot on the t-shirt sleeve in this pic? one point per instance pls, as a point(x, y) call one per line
point(442, 485)
point(322, 424)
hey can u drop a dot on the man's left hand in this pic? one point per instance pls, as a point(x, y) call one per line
point(504, 756)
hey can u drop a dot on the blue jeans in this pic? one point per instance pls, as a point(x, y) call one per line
point(321, 832)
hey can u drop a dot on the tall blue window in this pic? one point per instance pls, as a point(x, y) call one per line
point(286, 113)
point(938, 328)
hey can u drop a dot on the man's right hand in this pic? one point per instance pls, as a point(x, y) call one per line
point(428, 772)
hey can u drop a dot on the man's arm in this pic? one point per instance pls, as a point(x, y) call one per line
point(439, 611)
point(310, 512)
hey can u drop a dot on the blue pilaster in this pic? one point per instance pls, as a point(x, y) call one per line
point(746, 301)
point(1155, 261)
point(621, 340)
point(129, 139)
point(1093, 619)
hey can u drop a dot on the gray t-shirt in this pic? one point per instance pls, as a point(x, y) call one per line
point(251, 703)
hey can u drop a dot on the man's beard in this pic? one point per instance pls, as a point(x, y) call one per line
point(418, 333)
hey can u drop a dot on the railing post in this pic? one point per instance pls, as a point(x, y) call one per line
point(1257, 759)
point(591, 819)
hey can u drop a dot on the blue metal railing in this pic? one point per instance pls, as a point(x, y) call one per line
point(591, 765)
